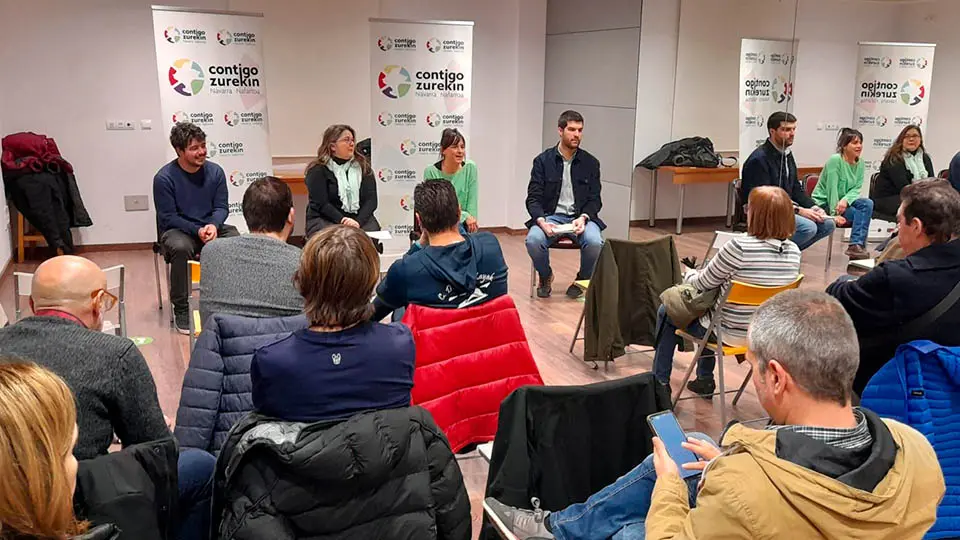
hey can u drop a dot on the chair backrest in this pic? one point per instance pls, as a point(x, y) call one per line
point(945, 174)
point(810, 183)
point(873, 183)
point(745, 294)
point(194, 272)
point(719, 239)
point(22, 286)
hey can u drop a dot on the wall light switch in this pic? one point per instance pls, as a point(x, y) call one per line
point(136, 203)
point(146, 124)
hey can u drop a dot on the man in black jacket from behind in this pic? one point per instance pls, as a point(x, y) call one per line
point(773, 164)
point(564, 190)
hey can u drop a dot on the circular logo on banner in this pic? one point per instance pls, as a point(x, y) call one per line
point(394, 81)
point(211, 148)
point(434, 119)
point(912, 92)
point(180, 116)
point(385, 119)
point(237, 178)
point(434, 45)
point(171, 34)
point(231, 118)
point(406, 202)
point(917, 121)
point(385, 43)
point(921, 63)
point(408, 147)
point(781, 89)
point(885, 62)
point(384, 175)
point(225, 37)
point(186, 77)
point(762, 58)
point(881, 121)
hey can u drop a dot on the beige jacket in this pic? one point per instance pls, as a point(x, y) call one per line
point(751, 493)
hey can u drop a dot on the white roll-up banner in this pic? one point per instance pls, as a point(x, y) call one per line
point(766, 86)
point(211, 73)
point(421, 74)
point(893, 91)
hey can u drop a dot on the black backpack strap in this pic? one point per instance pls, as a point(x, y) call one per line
point(906, 333)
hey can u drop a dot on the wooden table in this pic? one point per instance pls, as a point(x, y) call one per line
point(295, 181)
point(702, 175)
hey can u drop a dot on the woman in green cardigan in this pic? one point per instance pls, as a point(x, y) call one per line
point(838, 191)
point(460, 172)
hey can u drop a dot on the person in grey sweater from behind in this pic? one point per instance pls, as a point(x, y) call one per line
point(114, 388)
point(252, 274)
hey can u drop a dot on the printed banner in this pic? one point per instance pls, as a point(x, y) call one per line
point(893, 91)
point(210, 69)
point(421, 77)
point(766, 86)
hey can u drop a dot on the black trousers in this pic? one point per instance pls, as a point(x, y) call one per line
point(178, 248)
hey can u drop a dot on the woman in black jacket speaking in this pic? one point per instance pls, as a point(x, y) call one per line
point(340, 184)
point(906, 162)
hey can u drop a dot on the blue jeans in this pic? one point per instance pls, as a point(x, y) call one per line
point(590, 243)
point(195, 470)
point(859, 214)
point(667, 345)
point(618, 511)
point(809, 232)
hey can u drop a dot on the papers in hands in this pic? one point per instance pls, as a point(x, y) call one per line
point(379, 235)
point(563, 229)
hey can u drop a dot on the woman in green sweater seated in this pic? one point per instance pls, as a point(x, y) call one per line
point(838, 191)
point(460, 172)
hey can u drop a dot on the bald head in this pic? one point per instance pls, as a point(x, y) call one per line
point(67, 282)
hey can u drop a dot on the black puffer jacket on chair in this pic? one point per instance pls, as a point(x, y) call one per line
point(380, 475)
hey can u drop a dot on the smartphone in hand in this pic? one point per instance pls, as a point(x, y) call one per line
point(665, 425)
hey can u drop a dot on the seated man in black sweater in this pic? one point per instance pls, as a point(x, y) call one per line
point(451, 271)
point(885, 301)
point(114, 388)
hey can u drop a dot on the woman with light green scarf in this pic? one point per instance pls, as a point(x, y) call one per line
point(906, 162)
point(340, 184)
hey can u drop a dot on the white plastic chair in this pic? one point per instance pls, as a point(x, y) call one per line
point(116, 285)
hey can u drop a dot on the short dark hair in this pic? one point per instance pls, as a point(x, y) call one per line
point(435, 203)
point(339, 268)
point(266, 204)
point(936, 204)
point(778, 118)
point(184, 132)
point(847, 136)
point(450, 137)
point(568, 116)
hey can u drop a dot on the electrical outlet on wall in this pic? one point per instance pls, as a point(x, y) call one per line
point(833, 126)
point(136, 203)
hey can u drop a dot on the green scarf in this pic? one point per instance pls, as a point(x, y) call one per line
point(348, 183)
point(914, 163)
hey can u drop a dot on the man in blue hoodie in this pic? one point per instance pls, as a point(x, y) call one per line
point(773, 164)
point(191, 198)
point(452, 270)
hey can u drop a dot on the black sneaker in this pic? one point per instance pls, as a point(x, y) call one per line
point(181, 320)
point(666, 386)
point(703, 387)
point(546, 286)
point(522, 524)
point(574, 292)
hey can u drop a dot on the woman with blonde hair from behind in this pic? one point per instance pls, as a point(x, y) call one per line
point(38, 473)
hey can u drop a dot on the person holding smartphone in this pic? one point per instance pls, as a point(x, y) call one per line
point(821, 468)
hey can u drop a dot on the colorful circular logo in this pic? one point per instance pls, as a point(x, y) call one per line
point(171, 34)
point(384, 175)
point(231, 118)
point(385, 43)
point(180, 116)
point(211, 148)
point(394, 81)
point(922, 63)
point(434, 119)
point(785, 58)
point(237, 178)
point(762, 58)
point(886, 62)
point(406, 202)
point(434, 45)
point(225, 37)
point(186, 77)
point(912, 92)
point(917, 121)
point(781, 89)
point(408, 147)
point(385, 119)
point(881, 121)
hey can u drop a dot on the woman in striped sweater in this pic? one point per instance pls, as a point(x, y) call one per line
point(764, 256)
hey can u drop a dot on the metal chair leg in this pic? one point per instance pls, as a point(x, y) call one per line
point(698, 350)
point(156, 273)
point(746, 380)
point(576, 333)
point(718, 354)
point(533, 279)
point(826, 270)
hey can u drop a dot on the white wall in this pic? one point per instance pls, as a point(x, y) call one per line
point(936, 22)
point(6, 242)
point(90, 60)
